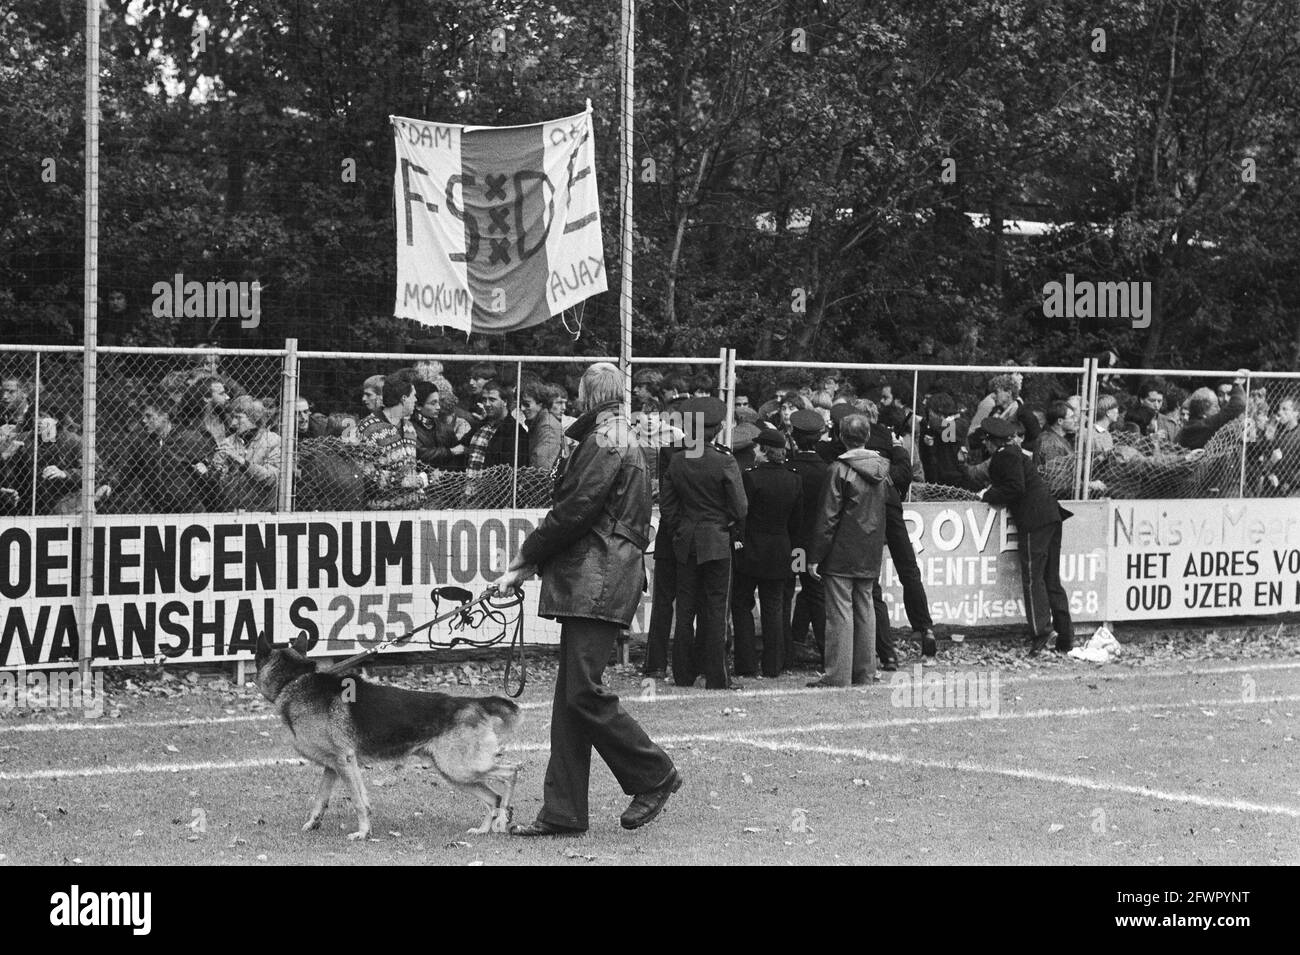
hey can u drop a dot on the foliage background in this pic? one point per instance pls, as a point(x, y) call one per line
point(226, 163)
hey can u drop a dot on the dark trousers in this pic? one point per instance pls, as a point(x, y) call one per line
point(661, 611)
point(810, 608)
point(1047, 607)
point(699, 646)
point(886, 652)
point(586, 714)
point(771, 596)
point(909, 574)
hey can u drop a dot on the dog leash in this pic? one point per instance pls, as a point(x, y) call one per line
point(470, 615)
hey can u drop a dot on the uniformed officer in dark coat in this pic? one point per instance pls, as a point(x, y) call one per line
point(1016, 485)
point(702, 500)
point(664, 586)
point(775, 498)
point(809, 607)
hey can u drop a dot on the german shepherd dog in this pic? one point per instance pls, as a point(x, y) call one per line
point(335, 720)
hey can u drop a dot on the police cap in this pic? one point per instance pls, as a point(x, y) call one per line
point(808, 422)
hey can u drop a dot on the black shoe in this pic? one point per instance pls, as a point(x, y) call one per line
point(1036, 647)
point(929, 646)
point(1063, 645)
point(822, 683)
point(646, 806)
point(541, 827)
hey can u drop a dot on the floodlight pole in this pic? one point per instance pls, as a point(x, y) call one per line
point(627, 32)
point(86, 553)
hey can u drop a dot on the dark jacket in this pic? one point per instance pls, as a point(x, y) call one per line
point(774, 498)
point(434, 439)
point(501, 449)
point(329, 477)
point(1014, 483)
point(900, 463)
point(939, 457)
point(589, 546)
point(812, 472)
point(850, 534)
point(1198, 431)
point(702, 500)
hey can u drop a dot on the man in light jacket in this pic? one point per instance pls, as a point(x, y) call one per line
point(845, 552)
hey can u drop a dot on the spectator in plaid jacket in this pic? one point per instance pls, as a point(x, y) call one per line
point(388, 446)
point(495, 441)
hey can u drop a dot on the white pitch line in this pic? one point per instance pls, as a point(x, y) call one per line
point(985, 716)
point(1208, 802)
point(677, 739)
point(679, 697)
point(89, 771)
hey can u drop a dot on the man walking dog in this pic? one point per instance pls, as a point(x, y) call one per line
point(589, 551)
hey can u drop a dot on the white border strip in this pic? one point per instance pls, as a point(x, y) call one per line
point(969, 715)
point(704, 695)
point(964, 766)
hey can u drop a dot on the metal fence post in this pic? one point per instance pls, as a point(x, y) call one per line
point(916, 388)
point(1088, 417)
point(288, 424)
point(1246, 422)
point(36, 432)
point(513, 414)
point(727, 386)
point(1084, 387)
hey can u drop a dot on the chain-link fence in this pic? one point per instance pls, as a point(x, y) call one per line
point(1160, 433)
point(933, 412)
point(192, 431)
point(40, 431)
point(483, 432)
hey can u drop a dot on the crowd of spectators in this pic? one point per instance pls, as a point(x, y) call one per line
point(199, 442)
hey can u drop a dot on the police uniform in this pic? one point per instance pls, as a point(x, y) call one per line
point(775, 500)
point(809, 606)
point(703, 504)
point(1016, 485)
point(664, 585)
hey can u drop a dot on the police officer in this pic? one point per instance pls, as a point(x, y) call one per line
point(702, 502)
point(809, 607)
point(775, 500)
point(1016, 485)
point(664, 586)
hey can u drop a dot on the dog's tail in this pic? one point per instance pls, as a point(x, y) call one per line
point(498, 707)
